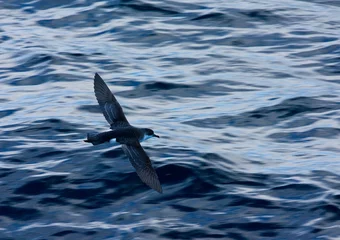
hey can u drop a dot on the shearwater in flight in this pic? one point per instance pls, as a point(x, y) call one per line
point(122, 132)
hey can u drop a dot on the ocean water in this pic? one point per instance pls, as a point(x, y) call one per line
point(244, 94)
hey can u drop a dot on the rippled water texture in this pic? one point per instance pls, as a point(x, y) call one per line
point(244, 94)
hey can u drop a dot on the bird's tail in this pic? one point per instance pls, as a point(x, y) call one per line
point(94, 138)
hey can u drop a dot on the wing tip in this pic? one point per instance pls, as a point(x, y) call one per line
point(156, 185)
point(158, 189)
point(97, 77)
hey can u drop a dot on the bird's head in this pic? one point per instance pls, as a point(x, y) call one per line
point(148, 133)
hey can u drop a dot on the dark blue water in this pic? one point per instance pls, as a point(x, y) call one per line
point(244, 94)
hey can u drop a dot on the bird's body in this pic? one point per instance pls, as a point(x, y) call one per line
point(123, 133)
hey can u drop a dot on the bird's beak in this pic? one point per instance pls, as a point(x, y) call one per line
point(156, 135)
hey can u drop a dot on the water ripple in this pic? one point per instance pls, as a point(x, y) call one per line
point(245, 97)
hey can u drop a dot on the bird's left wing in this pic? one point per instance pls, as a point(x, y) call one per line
point(141, 162)
point(109, 105)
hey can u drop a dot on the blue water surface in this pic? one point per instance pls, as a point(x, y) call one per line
point(244, 94)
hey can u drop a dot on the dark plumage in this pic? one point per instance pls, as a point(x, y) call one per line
point(125, 134)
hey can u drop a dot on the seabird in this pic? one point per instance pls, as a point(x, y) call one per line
point(123, 133)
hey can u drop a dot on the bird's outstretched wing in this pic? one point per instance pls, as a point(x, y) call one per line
point(141, 162)
point(109, 105)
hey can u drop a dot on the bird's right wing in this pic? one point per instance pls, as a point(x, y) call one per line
point(141, 162)
point(109, 105)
